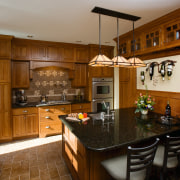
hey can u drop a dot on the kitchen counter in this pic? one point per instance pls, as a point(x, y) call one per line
point(86, 145)
point(125, 129)
point(38, 104)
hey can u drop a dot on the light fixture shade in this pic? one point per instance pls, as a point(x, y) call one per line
point(136, 62)
point(100, 60)
point(120, 61)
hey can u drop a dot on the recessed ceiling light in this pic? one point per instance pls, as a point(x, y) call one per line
point(78, 41)
point(30, 36)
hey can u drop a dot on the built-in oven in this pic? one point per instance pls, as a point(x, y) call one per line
point(102, 88)
point(102, 94)
point(98, 104)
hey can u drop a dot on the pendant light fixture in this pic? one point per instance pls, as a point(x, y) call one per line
point(134, 61)
point(100, 59)
point(119, 61)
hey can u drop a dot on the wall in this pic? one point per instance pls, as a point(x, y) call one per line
point(157, 84)
point(50, 82)
point(163, 91)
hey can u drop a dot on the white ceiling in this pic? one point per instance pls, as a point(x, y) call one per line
point(72, 20)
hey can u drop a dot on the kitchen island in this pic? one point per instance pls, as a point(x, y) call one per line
point(85, 145)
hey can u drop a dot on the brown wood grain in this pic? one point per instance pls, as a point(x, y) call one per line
point(161, 98)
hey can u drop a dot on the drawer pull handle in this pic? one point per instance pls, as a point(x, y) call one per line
point(47, 110)
point(47, 117)
point(25, 111)
point(62, 109)
point(47, 127)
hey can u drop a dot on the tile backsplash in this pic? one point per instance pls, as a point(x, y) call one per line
point(50, 82)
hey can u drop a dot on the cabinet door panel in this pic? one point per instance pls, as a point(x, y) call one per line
point(80, 76)
point(68, 55)
point(32, 125)
point(21, 51)
point(5, 100)
point(20, 74)
point(38, 52)
point(5, 68)
point(53, 53)
point(19, 126)
point(5, 48)
point(5, 125)
point(82, 55)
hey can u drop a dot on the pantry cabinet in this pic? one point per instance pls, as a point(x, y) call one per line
point(20, 74)
point(25, 122)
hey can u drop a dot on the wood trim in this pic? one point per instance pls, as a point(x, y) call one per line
point(42, 64)
point(161, 98)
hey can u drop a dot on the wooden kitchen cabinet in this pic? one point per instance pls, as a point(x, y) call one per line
point(74, 154)
point(5, 71)
point(81, 107)
point(68, 53)
point(25, 122)
point(172, 33)
point(82, 54)
point(20, 74)
point(38, 52)
point(79, 76)
point(153, 39)
point(49, 122)
point(21, 49)
point(5, 112)
point(5, 47)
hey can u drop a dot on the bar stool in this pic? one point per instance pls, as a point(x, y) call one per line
point(136, 165)
point(167, 156)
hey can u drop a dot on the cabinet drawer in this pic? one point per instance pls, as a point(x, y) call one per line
point(50, 128)
point(47, 109)
point(49, 117)
point(62, 109)
point(79, 107)
point(23, 111)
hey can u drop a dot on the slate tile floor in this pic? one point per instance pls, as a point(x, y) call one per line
point(33, 159)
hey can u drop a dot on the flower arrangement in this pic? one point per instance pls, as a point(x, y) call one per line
point(144, 102)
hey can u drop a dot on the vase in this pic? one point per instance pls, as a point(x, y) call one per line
point(144, 111)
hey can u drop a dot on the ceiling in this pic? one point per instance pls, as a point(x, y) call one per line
point(72, 20)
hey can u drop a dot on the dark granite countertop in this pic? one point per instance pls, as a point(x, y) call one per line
point(35, 104)
point(126, 128)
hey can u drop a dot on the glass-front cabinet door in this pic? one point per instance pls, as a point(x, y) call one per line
point(172, 33)
point(152, 39)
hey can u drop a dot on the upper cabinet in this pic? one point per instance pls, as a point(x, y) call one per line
point(21, 49)
point(68, 53)
point(82, 54)
point(20, 74)
point(156, 36)
point(5, 47)
point(172, 33)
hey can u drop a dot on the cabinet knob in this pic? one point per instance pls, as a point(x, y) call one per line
point(47, 127)
point(47, 117)
point(62, 109)
point(80, 107)
point(25, 111)
point(47, 110)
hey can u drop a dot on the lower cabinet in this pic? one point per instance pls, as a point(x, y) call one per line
point(74, 153)
point(49, 123)
point(81, 107)
point(25, 122)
